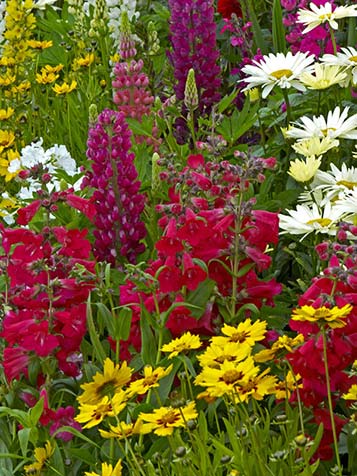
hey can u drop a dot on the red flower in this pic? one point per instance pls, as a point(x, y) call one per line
point(227, 7)
point(25, 215)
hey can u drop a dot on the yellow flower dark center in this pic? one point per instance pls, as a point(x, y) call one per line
point(222, 358)
point(169, 418)
point(280, 73)
point(150, 380)
point(231, 376)
point(239, 337)
point(347, 184)
point(320, 221)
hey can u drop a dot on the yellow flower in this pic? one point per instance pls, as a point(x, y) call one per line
point(40, 45)
point(256, 387)
point(6, 138)
point(323, 315)
point(228, 378)
point(92, 415)
point(6, 113)
point(7, 80)
point(215, 354)
point(284, 342)
point(324, 77)
point(85, 61)
point(186, 342)
point(123, 430)
point(314, 146)
point(106, 384)
point(164, 420)
point(108, 470)
point(303, 171)
point(46, 78)
point(20, 88)
point(51, 69)
point(283, 389)
point(115, 58)
point(8, 62)
point(351, 394)
point(65, 88)
point(150, 380)
point(245, 333)
point(41, 456)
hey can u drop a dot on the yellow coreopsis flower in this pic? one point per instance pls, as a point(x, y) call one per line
point(93, 415)
point(85, 61)
point(105, 384)
point(284, 343)
point(245, 333)
point(333, 317)
point(256, 387)
point(46, 78)
point(51, 69)
point(304, 170)
point(7, 80)
point(150, 380)
point(20, 88)
point(122, 430)
point(186, 342)
point(41, 456)
point(164, 420)
point(64, 88)
point(108, 470)
point(215, 354)
point(6, 138)
point(227, 378)
point(6, 113)
point(39, 45)
point(283, 389)
point(351, 394)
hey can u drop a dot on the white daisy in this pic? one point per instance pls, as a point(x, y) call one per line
point(335, 182)
point(336, 125)
point(278, 70)
point(347, 58)
point(324, 13)
point(324, 76)
point(348, 203)
point(310, 219)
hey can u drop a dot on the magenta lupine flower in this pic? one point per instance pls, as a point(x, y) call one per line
point(193, 39)
point(119, 229)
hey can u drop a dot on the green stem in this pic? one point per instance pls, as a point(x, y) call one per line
point(288, 106)
point(333, 39)
point(329, 399)
point(298, 397)
point(236, 257)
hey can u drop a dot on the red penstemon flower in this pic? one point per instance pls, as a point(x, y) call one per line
point(227, 7)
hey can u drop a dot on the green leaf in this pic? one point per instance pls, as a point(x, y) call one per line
point(225, 102)
point(352, 32)
point(279, 42)
point(36, 412)
point(122, 324)
point(257, 32)
point(97, 346)
point(148, 341)
point(107, 317)
point(200, 296)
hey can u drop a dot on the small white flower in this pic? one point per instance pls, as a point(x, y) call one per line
point(33, 154)
point(308, 219)
point(346, 58)
point(324, 13)
point(336, 125)
point(14, 166)
point(62, 159)
point(42, 4)
point(335, 182)
point(278, 70)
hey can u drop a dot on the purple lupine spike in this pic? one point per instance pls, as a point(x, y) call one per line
point(193, 39)
point(119, 228)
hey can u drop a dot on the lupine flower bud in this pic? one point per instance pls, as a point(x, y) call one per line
point(191, 93)
point(153, 40)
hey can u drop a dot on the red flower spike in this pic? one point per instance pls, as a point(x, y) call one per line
point(227, 7)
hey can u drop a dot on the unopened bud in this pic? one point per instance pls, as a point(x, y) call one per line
point(191, 93)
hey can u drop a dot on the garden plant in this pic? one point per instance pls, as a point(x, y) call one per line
point(178, 238)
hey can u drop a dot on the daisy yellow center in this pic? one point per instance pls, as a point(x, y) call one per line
point(326, 131)
point(231, 376)
point(169, 418)
point(239, 337)
point(347, 184)
point(325, 16)
point(280, 73)
point(353, 58)
point(320, 221)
